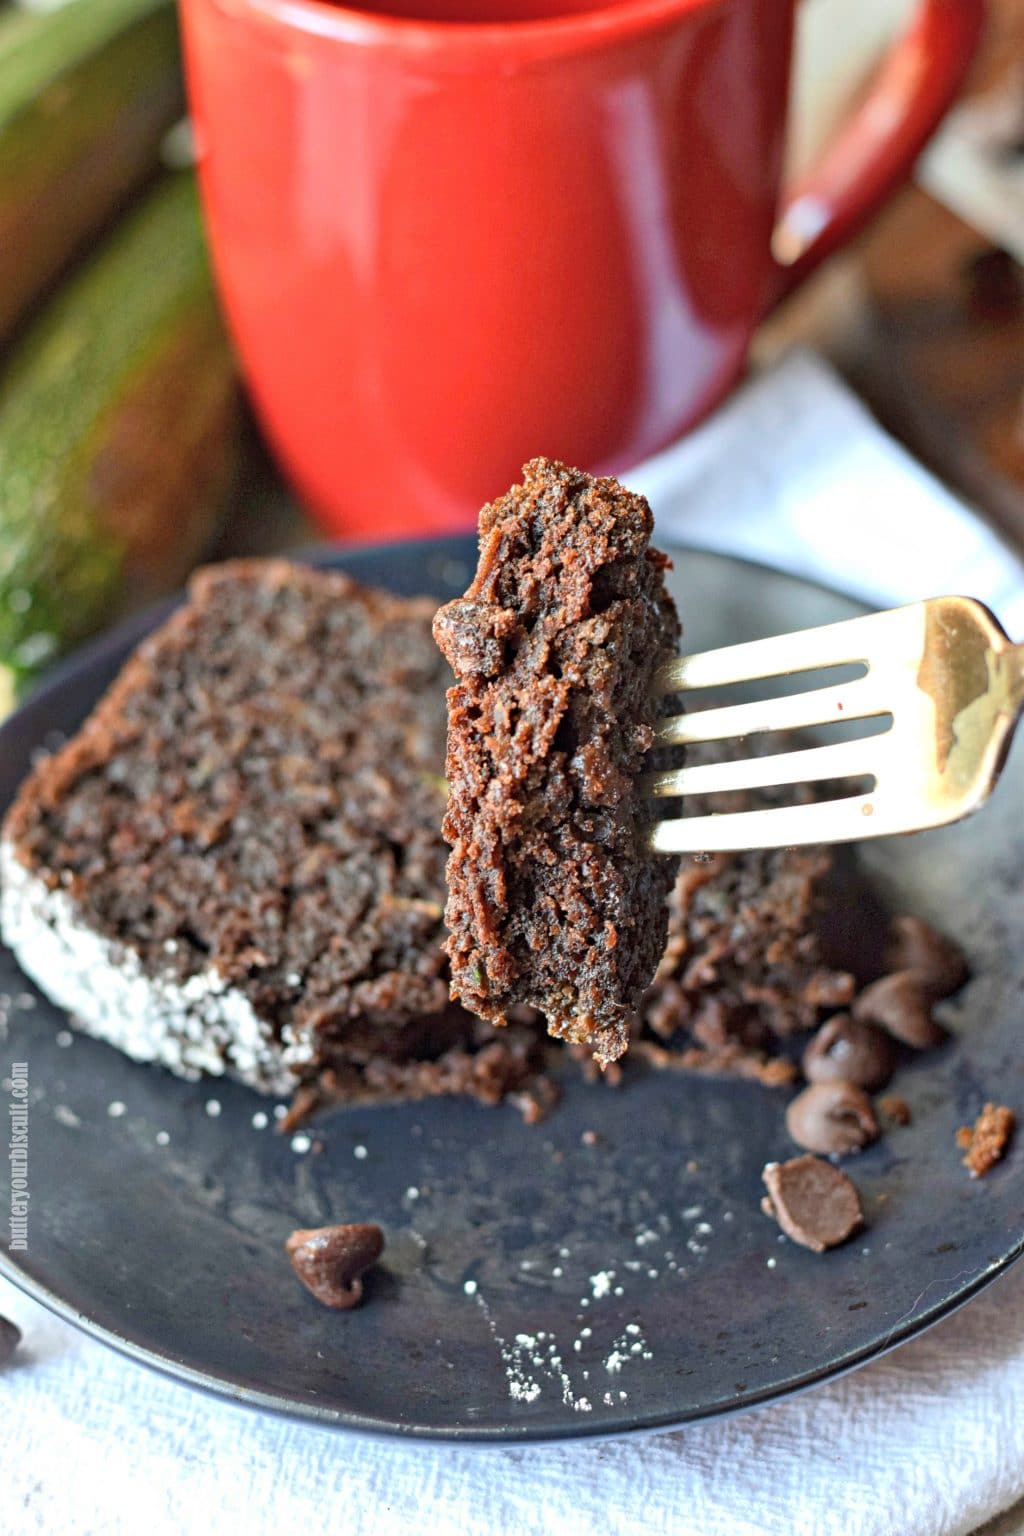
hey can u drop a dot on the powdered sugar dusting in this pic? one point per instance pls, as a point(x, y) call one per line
point(533, 1362)
point(540, 1361)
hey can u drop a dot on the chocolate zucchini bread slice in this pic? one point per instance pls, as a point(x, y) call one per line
point(236, 865)
point(555, 900)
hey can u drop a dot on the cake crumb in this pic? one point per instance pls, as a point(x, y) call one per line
point(895, 1108)
point(307, 1099)
point(984, 1143)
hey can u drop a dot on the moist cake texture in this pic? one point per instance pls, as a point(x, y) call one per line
point(742, 969)
point(555, 900)
point(236, 865)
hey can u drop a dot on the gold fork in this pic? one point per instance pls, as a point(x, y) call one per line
point(943, 670)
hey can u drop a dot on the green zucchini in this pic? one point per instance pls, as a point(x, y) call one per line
point(119, 434)
point(86, 94)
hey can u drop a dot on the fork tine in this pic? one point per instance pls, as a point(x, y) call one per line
point(808, 650)
point(823, 821)
point(943, 671)
point(841, 760)
point(818, 706)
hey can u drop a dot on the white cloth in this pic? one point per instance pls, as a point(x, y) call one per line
point(795, 472)
point(928, 1441)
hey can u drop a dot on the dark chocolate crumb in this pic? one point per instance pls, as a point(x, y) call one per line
point(729, 1060)
point(895, 1108)
point(984, 1143)
point(536, 1101)
point(306, 1099)
point(331, 1260)
point(814, 1203)
point(834, 1117)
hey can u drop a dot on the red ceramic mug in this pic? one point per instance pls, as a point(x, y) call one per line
point(454, 234)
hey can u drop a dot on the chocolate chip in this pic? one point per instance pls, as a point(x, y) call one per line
point(832, 1117)
point(902, 1004)
point(851, 1051)
point(10, 1338)
point(814, 1204)
point(915, 946)
point(330, 1260)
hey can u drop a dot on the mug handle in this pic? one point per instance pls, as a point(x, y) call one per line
point(876, 150)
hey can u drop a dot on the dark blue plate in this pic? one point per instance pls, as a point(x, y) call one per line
point(535, 1286)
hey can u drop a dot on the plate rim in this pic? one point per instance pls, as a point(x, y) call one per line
point(389, 1430)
